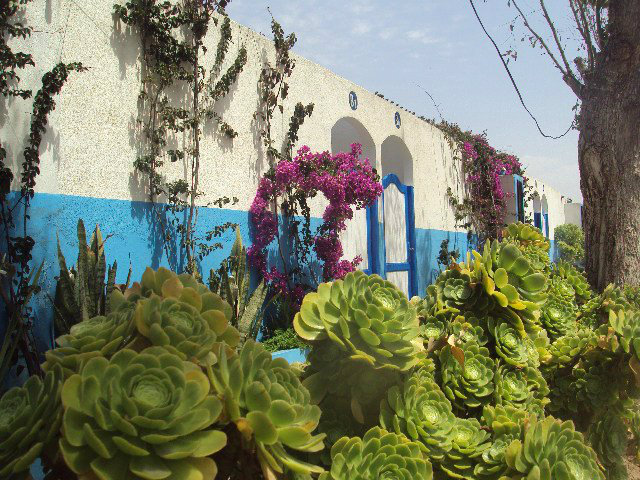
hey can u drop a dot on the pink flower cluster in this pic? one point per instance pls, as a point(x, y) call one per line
point(345, 179)
point(485, 165)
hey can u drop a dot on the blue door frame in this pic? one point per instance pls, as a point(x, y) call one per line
point(409, 265)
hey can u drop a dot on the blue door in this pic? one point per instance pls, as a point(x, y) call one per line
point(399, 245)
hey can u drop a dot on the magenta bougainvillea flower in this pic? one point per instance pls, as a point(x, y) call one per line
point(345, 179)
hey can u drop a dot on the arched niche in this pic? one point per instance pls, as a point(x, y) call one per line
point(545, 216)
point(355, 238)
point(347, 131)
point(537, 211)
point(397, 159)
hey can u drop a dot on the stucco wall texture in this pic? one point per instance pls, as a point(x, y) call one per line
point(94, 135)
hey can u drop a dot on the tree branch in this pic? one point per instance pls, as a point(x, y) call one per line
point(556, 38)
point(584, 30)
point(567, 74)
point(599, 29)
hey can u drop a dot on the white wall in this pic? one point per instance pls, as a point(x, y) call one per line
point(93, 134)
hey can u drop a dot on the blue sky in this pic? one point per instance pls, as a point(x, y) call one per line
point(392, 46)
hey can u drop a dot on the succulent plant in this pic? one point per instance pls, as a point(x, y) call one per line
point(470, 328)
point(30, 418)
point(559, 313)
point(521, 388)
point(508, 278)
point(574, 278)
point(377, 455)
point(231, 281)
point(140, 415)
point(369, 318)
point(608, 437)
point(468, 443)
point(467, 379)
point(552, 450)
point(510, 344)
point(566, 348)
point(264, 398)
point(419, 410)
point(531, 242)
point(180, 328)
point(97, 337)
point(506, 425)
point(453, 289)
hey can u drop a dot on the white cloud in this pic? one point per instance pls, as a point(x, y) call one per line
point(361, 28)
point(421, 36)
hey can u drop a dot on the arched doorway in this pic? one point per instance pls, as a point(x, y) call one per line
point(398, 215)
point(537, 211)
point(360, 236)
point(545, 216)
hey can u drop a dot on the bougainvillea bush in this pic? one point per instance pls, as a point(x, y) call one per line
point(345, 179)
point(509, 368)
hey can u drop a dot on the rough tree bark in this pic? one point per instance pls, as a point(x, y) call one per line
point(609, 153)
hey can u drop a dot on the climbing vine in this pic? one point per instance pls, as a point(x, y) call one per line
point(482, 211)
point(18, 281)
point(172, 59)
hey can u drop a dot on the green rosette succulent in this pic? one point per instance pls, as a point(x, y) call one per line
point(147, 415)
point(573, 278)
point(559, 314)
point(470, 328)
point(507, 276)
point(467, 375)
point(468, 443)
point(180, 328)
point(345, 385)
point(521, 388)
point(97, 337)
point(30, 418)
point(566, 348)
point(180, 314)
point(608, 438)
point(377, 455)
point(510, 344)
point(270, 407)
point(552, 450)
point(506, 425)
point(419, 410)
point(369, 318)
point(531, 242)
point(453, 289)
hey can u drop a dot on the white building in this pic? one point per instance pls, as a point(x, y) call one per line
point(93, 135)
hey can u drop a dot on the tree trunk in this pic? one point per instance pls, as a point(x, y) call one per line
point(609, 153)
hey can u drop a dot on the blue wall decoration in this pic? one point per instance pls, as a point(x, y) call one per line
point(353, 100)
point(397, 120)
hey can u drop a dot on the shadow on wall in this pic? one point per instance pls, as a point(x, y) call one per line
point(128, 226)
point(428, 247)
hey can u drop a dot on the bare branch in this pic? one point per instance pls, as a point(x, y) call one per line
point(567, 74)
point(584, 30)
point(545, 13)
point(539, 38)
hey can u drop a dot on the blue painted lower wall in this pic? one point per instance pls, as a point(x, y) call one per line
point(135, 240)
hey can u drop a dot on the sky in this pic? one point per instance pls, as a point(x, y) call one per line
point(392, 47)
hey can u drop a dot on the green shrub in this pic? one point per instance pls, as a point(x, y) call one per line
point(569, 240)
